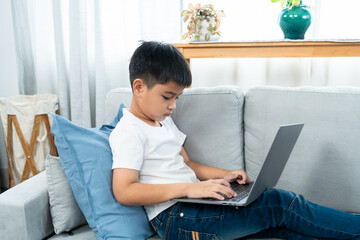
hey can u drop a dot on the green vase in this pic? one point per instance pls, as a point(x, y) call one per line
point(295, 21)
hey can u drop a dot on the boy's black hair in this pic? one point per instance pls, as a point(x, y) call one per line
point(159, 63)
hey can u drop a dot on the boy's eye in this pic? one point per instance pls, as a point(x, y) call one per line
point(166, 98)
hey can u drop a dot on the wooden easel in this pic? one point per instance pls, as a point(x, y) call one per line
point(28, 148)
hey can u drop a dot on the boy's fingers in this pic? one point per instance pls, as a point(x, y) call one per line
point(221, 187)
point(238, 175)
point(227, 191)
point(242, 180)
point(222, 182)
point(216, 196)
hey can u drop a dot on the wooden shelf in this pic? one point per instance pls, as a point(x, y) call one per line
point(276, 49)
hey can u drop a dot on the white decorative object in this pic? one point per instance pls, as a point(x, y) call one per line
point(203, 23)
point(205, 32)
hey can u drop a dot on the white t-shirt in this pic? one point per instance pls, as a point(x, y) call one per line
point(153, 151)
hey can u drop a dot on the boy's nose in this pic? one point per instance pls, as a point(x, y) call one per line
point(172, 106)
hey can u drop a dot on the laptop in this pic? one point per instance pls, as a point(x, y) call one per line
point(269, 174)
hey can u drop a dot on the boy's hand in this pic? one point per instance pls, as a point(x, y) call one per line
point(211, 189)
point(239, 176)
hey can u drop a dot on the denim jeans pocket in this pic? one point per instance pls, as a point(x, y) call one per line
point(193, 235)
point(156, 224)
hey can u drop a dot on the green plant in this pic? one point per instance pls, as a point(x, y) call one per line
point(195, 15)
point(288, 3)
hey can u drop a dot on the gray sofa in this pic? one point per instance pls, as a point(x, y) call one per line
point(229, 129)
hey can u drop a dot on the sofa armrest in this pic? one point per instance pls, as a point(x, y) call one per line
point(24, 210)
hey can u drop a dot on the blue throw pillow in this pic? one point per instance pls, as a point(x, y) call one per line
point(86, 158)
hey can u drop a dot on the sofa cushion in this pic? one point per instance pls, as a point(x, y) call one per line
point(212, 119)
point(65, 212)
point(80, 233)
point(84, 233)
point(86, 158)
point(326, 153)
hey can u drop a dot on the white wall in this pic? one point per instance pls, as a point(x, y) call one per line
point(8, 72)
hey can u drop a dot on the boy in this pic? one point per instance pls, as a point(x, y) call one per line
point(151, 167)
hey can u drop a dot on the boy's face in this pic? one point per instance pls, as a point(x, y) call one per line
point(159, 102)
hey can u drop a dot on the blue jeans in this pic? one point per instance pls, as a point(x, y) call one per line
point(276, 214)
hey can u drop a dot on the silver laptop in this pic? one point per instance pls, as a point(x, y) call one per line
point(269, 174)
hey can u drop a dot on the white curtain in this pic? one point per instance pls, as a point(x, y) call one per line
point(80, 49)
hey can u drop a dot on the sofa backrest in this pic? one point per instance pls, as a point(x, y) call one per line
point(212, 119)
point(325, 163)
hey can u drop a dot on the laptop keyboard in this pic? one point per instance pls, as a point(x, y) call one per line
point(242, 191)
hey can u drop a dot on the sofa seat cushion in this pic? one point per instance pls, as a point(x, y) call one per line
point(83, 233)
point(327, 150)
point(80, 233)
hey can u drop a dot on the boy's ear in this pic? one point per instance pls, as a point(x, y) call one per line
point(138, 86)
